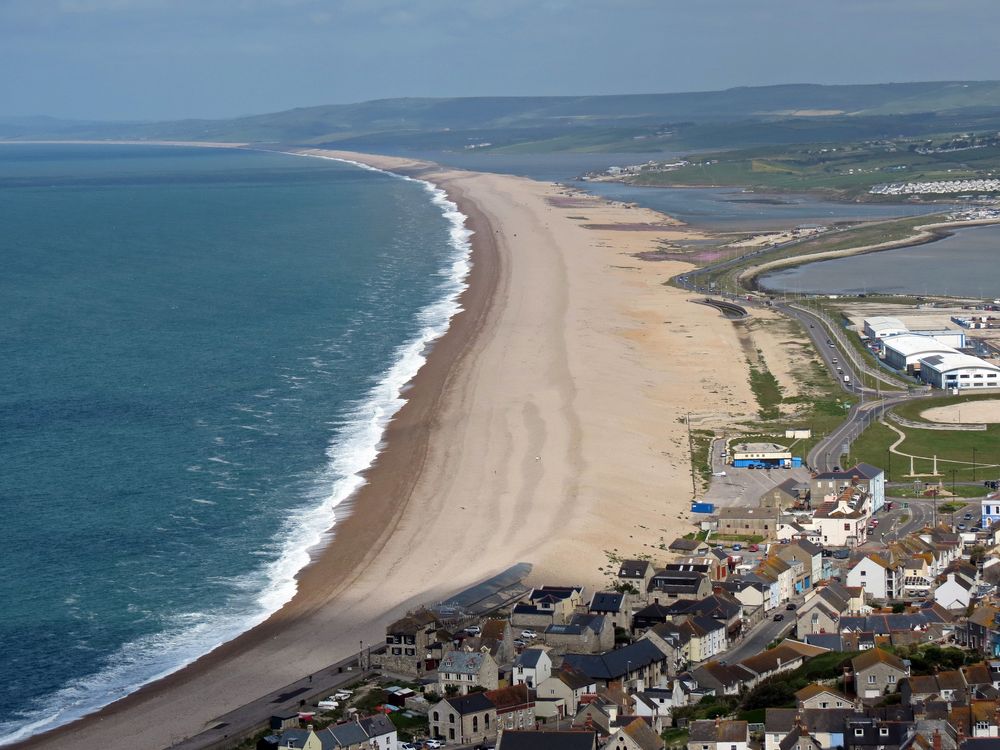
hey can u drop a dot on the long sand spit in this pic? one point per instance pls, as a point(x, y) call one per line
point(547, 426)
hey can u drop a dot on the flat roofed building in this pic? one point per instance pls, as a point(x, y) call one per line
point(905, 351)
point(959, 371)
point(744, 454)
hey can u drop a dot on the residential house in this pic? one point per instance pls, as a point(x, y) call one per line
point(954, 591)
point(546, 606)
point(826, 725)
point(990, 511)
point(639, 665)
point(515, 707)
point(636, 735)
point(556, 740)
point(869, 733)
point(880, 577)
point(584, 633)
point(678, 584)
point(741, 521)
point(689, 546)
point(636, 574)
point(784, 572)
point(615, 607)
point(532, 667)
point(861, 478)
point(800, 738)
point(981, 630)
point(752, 591)
point(843, 522)
point(650, 615)
point(977, 719)
point(718, 734)
point(788, 493)
point(463, 670)
point(408, 641)
point(721, 606)
point(811, 557)
point(707, 636)
point(464, 719)
point(821, 611)
point(560, 695)
point(947, 686)
point(667, 638)
point(370, 733)
point(497, 637)
point(822, 697)
point(876, 672)
point(787, 656)
point(724, 679)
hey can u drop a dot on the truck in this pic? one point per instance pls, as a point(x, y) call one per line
point(847, 379)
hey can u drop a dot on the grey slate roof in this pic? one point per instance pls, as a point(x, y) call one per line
point(528, 658)
point(612, 665)
point(343, 735)
point(607, 601)
point(462, 662)
point(516, 739)
point(471, 703)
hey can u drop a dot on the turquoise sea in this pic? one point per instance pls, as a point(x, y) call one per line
point(200, 348)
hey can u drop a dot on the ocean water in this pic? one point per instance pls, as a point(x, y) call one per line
point(963, 264)
point(200, 351)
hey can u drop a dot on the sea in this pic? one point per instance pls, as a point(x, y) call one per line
point(200, 349)
point(963, 264)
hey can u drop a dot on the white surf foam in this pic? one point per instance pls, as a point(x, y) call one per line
point(353, 450)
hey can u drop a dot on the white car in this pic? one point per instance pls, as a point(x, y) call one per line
point(434, 744)
point(473, 630)
point(529, 635)
point(406, 746)
point(718, 473)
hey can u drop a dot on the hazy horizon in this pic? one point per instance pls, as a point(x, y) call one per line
point(144, 60)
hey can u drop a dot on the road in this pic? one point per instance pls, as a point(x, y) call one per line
point(760, 637)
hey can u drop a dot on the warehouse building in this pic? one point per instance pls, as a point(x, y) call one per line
point(904, 352)
point(956, 370)
point(881, 326)
point(763, 456)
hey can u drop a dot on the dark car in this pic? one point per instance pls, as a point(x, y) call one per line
point(779, 617)
point(841, 554)
point(790, 606)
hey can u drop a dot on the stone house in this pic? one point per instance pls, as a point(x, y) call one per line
point(464, 719)
point(636, 735)
point(877, 672)
point(547, 605)
point(811, 557)
point(560, 695)
point(822, 697)
point(748, 522)
point(515, 707)
point(861, 478)
point(463, 670)
point(408, 641)
point(639, 665)
point(615, 607)
point(678, 584)
point(878, 575)
point(635, 573)
point(583, 633)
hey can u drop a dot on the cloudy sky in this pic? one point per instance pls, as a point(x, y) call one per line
point(159, 59)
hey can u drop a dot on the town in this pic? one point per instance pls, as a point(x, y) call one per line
point(824, 615)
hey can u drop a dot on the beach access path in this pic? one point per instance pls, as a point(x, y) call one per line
point(547, 426)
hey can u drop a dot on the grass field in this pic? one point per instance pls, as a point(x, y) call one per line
point(954, 448)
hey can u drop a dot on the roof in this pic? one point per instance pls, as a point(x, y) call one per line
point(956, 361)
point(884, 321)
point(811, 691)
point(685, 544)
point(723, 675)
point(574, 679)
point(725, 730)
point(744, 512)
point(494, 628)
point(614, 664)
point(509, 698)
point(771, 660)
point(528, 659)
point(634, 568)
point(413, 623)
point(462, 662)
point(873, 656)
point(913, 344)
point(642, 735)
point(516, 739)
point(471, 703)
point(343, 735)
point(607, 601)
point(377, 725)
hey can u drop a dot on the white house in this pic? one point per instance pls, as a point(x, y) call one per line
point(955, 593)
point(878, 576)
point(532, 667)
point(841, 523)
point(991, 509)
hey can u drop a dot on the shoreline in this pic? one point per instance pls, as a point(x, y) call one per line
point(924, 234)
point(384, 479)
point(542, 428)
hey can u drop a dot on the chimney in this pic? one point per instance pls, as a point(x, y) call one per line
point(937, 739)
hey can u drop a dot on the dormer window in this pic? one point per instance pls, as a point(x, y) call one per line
point(859, 732)
point(883, 732)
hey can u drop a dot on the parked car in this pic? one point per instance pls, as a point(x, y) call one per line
point(434, 744)
point(754, 548)
point(529, 635)
point(790, 606)
point(406, 746)
point(841, 554)
point(737, 547)
point(779, 617)
point(473, 630)
point(961, 527)
point(967, 516)
point(519, 643)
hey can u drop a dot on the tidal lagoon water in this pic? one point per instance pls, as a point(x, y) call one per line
point(200, 351)
point(964, 264)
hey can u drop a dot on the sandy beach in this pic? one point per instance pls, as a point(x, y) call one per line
point(546, 427)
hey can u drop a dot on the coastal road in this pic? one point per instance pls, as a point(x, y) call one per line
point(761, 636)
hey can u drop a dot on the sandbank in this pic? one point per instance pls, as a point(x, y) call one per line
point(546, 427)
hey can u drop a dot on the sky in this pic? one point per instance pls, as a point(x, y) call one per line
point(173, 59)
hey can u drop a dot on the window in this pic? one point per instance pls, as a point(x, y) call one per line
point(451, 718)
point(486, 721)
point(883, 732)
point(437, 717)
point(871, 679)
point(859, 732)
point(451, 733)
point(864, 572)
point(847, 527)
point(475, 724)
